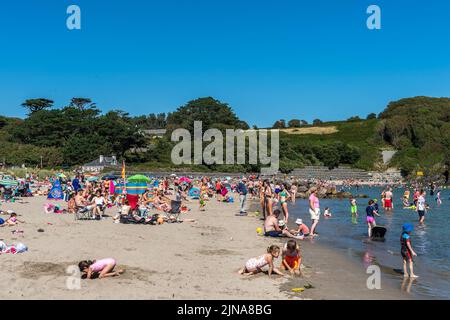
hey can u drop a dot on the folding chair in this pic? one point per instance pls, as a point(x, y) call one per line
point(83, 213)
point(174, 214)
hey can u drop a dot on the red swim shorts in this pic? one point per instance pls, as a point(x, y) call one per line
point(388, 203)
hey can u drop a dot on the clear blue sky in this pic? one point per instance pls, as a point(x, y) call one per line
point(268, 59)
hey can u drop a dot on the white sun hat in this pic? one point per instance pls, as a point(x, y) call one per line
point(299, 221)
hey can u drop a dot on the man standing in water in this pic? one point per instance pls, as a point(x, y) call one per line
point(421, 206)
point(388, 205)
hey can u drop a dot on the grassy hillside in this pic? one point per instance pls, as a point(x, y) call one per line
point(360, 134)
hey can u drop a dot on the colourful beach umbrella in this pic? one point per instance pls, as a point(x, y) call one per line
point(194, 193)
point(110, 177)
point(91, 179)
point(9, 183)
point(135, 188)
point(185, 179)
point(119, 188)
point(138, 178)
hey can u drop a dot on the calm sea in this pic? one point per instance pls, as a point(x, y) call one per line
point(430, 241)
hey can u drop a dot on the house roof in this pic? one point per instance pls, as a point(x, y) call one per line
point(107, 161)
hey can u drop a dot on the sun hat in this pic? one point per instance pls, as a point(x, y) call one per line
point(10, 211)
point(408, 227)
point(299, 221)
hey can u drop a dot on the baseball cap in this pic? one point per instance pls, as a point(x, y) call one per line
point(408, 227)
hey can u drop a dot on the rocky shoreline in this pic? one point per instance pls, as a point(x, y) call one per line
point(304, 190)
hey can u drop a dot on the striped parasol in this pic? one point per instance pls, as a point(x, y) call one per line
point(136, 188)
point(138, 178)
point(119, 188)
point(9, 183)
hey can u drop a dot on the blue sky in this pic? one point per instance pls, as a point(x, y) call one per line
point(268, 59)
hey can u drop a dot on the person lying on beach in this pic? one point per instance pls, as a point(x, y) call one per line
point(255, 265)
point(272, 227)
point(159, 202)
point(98, 268)
point(11, 221)
point(292, 258)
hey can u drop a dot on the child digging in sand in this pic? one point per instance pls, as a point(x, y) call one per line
point(255, 265)
point(292, 258)
point(98, 268)
point(11, 221)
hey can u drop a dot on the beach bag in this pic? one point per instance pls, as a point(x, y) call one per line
point(20, 248)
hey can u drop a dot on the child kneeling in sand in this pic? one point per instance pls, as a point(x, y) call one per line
point(98, 268)
point(292, 258)
point(255, 265)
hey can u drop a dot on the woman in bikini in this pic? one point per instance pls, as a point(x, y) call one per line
point(283, 197)
point(261, 198)
point(268, 194)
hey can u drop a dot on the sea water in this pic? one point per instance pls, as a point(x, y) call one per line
point(430, 241)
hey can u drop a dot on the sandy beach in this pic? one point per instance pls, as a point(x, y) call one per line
point(190, 260)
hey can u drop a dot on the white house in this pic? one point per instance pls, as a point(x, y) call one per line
point(100, 164)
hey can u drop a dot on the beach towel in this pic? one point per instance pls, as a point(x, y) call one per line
point(14, 249)
point(56, 193)
point(112, 188)
point(194, 193)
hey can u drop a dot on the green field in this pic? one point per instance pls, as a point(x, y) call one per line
point(360, 134)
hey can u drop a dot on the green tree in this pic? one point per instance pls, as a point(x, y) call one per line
point(211, 112)
point(82, 103)
point(280, 124)
point(34, 105)
point(294, 123)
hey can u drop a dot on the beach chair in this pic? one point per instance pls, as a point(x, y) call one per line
point(84, 213)
point(174, 214)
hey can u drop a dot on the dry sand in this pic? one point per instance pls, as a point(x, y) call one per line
point(173, 261)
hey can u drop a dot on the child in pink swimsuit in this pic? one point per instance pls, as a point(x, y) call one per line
point(103, 268)
point(254, 265)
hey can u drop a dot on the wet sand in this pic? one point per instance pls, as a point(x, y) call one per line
point(188, 260)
